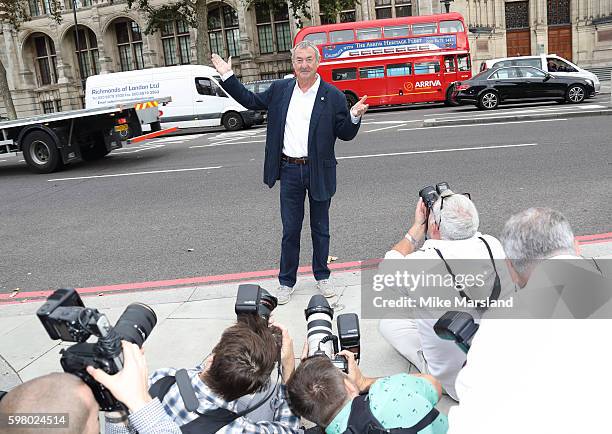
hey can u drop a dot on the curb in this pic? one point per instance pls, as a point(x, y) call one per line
point(494, 119)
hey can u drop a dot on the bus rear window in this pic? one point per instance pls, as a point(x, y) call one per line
point(372, 72)
point(463, 61)
point(399, 69)
point(427, 67)
point(397, 31)
point(454, 26)
point(317, 38)
point(424, 28)
point(341, 36)
point(367, 34)
point(344, 74)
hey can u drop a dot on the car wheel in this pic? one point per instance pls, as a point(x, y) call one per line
point(40, 152)
point(94, 151)
point(232, 121)
point(449, 101)
point(488, 101)
point(575, 94)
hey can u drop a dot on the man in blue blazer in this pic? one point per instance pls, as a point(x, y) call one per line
point(305, 117)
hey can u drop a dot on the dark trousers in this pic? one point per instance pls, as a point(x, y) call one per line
point(294, 183)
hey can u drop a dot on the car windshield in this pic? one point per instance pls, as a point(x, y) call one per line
point(480, 74)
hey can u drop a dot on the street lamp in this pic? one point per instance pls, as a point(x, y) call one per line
point(446, 4)
point(78, 44)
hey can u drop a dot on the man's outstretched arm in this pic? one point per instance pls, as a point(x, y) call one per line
point(229, 82)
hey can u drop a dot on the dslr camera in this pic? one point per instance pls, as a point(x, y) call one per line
point(254, 300)
point(322, 341)
point(65, 317)
point(458, 327)
point(430, 194)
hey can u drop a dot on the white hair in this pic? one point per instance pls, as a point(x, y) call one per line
point(306, 44)
point(458, 219)
point(536, 234)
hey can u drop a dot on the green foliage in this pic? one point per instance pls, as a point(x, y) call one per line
point(185, 10)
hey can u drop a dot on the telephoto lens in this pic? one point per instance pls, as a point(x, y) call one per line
point(136, 323)
point(319, 316)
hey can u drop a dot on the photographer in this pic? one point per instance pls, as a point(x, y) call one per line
point(54, 394)
point(240, 364)
point(452, 229)
point(339, 402)
point(541, 375)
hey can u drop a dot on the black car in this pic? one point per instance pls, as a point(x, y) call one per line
point(520, 83)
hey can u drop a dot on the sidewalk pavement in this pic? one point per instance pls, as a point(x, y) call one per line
point(190, 321)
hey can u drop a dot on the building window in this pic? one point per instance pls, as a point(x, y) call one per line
point(517, 15)
point(337, 11)
point(273, 31)
point(558, 12)
point(48, 107)
point(129, 42)
point(223, 31)
point(79, 3)
point(40, 7)
point(176, 43)
point(393, 8)
point(46, 64)
point(87, 52)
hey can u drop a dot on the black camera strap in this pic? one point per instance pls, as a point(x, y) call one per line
point(495, 292)
point(362, 420)
point(211, 421)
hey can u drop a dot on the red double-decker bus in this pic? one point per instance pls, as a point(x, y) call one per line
point(395, 60)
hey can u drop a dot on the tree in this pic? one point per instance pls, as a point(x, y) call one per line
point(14, 13)
point(195, 14)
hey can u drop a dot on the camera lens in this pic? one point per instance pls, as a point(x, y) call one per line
point(267, 303)
point(319, 315)
point(429, 196)
point(136, 323)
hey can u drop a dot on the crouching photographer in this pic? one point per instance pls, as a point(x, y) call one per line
point(328, 388)
point(217, 396)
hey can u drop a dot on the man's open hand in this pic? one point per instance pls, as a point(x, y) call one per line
point(360, 107)
point(221, 65)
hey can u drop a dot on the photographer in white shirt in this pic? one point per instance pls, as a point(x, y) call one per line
point(452, 229)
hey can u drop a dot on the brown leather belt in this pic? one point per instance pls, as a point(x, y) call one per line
point(301, 160)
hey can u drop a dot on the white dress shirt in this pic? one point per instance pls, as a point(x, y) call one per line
point(297, 125)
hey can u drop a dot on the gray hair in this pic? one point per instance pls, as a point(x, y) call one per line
point(536, 234)
point(306, 44)
point(458, 219)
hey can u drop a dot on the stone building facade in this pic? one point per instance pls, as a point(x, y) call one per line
point(45, 76)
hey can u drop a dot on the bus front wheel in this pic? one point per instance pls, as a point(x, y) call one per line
point(351, 99)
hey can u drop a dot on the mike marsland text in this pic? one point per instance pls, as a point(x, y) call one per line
point(440, 303)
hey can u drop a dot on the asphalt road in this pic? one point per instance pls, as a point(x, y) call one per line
point(206, 195)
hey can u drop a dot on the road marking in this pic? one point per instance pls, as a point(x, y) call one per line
point(519, 111)
point(479, 125)
point(212, 145)
point(435, 151)
point(136, 149)
point(387, 122)
point(134, 173)
point(384, 128)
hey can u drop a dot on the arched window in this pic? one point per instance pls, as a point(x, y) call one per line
point(87, 52)
point(176, 42)
point(46, 64)
point(273, 29)
point(223, 30)
point(129, 43)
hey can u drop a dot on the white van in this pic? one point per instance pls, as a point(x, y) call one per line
point(197, 98)
point(546, 62)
